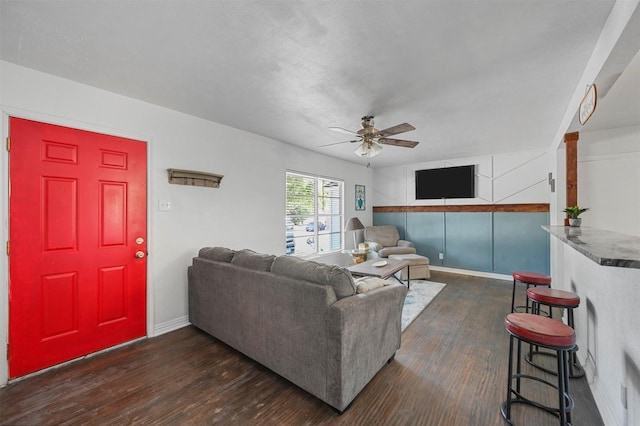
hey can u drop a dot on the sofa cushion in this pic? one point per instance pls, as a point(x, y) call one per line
point(413, 259)
point(336, 276)
point(385, 235)
point(219, 254)
point(252, 260)
point(366, 284)
point(390, 251)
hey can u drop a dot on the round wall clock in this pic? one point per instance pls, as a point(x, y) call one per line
point(588, 104)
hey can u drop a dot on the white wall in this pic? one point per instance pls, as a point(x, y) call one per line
point(247, 211)
point(609, 179)
point(607, 329)
point(513, 178)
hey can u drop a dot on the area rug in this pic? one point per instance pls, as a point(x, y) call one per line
point(419, 296)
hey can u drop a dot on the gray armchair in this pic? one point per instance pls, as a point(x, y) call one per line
point(384, 240)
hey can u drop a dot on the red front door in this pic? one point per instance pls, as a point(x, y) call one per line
point(77, 222)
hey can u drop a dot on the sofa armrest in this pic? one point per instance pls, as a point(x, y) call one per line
point(363, 333)
point(405, 243)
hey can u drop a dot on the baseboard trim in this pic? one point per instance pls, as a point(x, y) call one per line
point(171, 325)
point(473, 273)
point(602, 401)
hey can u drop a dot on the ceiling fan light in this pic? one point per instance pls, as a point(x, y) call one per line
point(368, 150)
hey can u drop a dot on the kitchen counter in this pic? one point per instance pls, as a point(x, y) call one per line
point(603, 247)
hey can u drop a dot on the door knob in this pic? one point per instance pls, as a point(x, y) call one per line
point(139, 254)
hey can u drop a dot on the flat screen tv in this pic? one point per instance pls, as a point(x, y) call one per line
point(447, 182)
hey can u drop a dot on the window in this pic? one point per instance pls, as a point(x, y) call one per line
point(314, 212)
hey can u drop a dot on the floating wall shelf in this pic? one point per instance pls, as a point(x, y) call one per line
point(194, 178)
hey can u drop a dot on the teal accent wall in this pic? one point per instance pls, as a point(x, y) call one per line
point(499, 242)
point(468, 241)
point(426, 231)
point(520, 242)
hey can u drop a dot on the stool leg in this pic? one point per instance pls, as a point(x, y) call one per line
point(565, 402)
point(566, 386)
point(562, 411)
point(509, 381)
point(518, 366)
point(527, 303)
point(535, 309)
point(513, 297)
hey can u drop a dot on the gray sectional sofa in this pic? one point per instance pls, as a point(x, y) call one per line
point(301, 319)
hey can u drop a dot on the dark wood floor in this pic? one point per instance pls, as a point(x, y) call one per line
point(451, 370)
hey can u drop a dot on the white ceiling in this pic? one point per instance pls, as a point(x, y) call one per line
point(473, 77)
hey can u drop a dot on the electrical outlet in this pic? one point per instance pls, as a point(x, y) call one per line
point(164, 205)
point(623, 395)
point(441, 256)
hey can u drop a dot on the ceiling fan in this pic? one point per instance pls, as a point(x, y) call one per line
point(371, 138)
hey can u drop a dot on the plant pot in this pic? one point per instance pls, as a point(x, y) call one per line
point(575, 222)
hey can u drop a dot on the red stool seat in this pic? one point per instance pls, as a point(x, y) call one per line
point(540, 330)
point(553, 297)
point(532, 277)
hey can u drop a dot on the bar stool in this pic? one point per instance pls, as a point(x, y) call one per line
point(530, 279)
point(550, 334)
point(555, 299)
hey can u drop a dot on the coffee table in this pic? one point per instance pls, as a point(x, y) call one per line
point(366, 269)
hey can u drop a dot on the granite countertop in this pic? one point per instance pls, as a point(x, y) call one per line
point(603, 247)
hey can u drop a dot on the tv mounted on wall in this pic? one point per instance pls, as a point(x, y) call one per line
point(447, 182)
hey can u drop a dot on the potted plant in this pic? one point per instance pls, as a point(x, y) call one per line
point(574, 212)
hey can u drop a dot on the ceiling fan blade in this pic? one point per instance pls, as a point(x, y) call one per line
point(398, 142)
point(343, 131)
point(400, 128)
point(338, 143)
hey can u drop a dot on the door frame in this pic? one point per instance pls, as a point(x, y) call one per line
point(7, 112)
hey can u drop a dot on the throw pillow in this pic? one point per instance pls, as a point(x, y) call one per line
point(366, 284)
point(252, 260)
point(336, 276)
point(219, 254)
